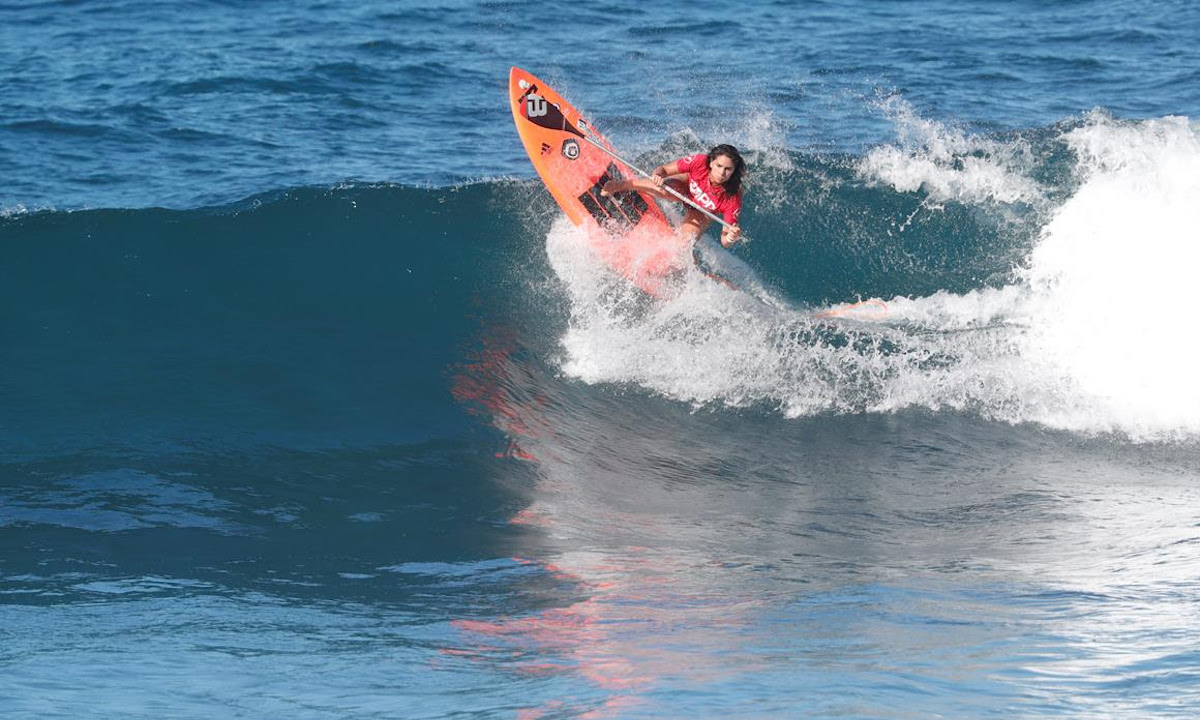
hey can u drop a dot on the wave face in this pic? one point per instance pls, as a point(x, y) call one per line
point(1037, 277)
point(311, 316)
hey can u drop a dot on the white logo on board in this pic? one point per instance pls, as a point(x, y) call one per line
point(535, 106)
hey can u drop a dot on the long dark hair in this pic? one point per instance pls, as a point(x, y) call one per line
point(734, 183)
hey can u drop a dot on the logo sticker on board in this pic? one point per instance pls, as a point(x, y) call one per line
point(545, 114)
point(570, 149)
point(535, 106)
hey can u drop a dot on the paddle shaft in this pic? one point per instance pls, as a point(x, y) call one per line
point(684, 199)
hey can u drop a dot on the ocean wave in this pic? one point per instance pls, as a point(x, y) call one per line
point(861, 292)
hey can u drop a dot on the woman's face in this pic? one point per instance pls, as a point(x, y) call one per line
point(720, 169)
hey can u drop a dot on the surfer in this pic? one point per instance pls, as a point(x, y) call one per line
point(713, 180)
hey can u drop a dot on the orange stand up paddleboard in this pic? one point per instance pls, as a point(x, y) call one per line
point(628, 231)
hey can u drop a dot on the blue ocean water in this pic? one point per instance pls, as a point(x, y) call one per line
point(313, 404)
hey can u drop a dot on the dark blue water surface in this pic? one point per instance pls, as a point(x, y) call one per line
point(135, 104)
point(313, 405)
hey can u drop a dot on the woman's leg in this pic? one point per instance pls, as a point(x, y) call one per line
point(641, 185)
point(693, 225)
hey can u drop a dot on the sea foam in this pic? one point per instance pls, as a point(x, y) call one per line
point(1113, 275)
point(1092, 333)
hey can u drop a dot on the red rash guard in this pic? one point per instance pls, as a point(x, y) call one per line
point(708, 196)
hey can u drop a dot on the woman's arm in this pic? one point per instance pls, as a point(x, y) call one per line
point(732, 232)
point(660, 173)
point(657, 175)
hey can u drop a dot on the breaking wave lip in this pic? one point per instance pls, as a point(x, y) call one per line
point(949, 164)
point(1088, 335)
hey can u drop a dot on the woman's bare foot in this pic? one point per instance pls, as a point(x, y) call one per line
point(613, 187)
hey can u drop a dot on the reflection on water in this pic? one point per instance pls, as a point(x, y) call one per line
point(737, 563)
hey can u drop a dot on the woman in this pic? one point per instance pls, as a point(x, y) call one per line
point(714, 181)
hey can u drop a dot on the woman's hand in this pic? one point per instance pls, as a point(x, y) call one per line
point(730, 235)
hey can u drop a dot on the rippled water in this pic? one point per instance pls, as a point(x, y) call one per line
point(311, 405)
